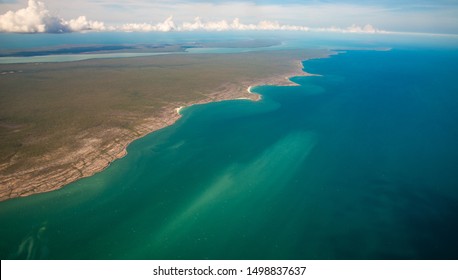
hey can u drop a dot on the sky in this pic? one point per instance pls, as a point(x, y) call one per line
point(29, 16)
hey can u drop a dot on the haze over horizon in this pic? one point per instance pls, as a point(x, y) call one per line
point(51, 16)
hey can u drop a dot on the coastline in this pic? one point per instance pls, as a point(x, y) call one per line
point(96, 160)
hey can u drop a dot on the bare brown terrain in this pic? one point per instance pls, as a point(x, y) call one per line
point(63, 121)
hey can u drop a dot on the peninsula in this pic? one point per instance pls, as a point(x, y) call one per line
point(63, 121)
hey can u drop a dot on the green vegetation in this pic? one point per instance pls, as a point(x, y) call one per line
point(49, 111)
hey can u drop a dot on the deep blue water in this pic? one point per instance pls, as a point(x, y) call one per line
point(359, 163)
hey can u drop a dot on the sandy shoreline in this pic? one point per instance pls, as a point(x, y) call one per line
point(95, 160)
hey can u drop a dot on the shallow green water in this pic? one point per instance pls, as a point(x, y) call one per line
point(357, 164)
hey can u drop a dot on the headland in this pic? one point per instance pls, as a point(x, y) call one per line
point(64, 121)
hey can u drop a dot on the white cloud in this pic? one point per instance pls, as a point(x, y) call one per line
point(237, 25)
point(368, 28)
point(37, 19)
point(388, 15)
point(199, 25)
point(165, 26)
point(82, 24)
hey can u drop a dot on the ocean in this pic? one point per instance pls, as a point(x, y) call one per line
point(359, 162)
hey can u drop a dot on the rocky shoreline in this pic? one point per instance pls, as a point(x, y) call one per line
point(95, 153)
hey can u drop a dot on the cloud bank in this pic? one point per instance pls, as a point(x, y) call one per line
point(199, 25)
point(352, 29)
point(236, 25)
point(37, 19)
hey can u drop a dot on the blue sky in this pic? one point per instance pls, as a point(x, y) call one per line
point(440, 16)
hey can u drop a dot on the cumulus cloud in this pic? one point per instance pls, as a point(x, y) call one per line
point(199, 25)
point(237, 25)
point(352, 29)
point(166, 26)
point(82, 24)
point(37, 19)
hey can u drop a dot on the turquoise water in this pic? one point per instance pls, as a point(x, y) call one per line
point(11, 41)
point(286, 40)
point(359, 163)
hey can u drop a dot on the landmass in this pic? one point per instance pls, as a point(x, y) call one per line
point(60, 122)
point(134, 48)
